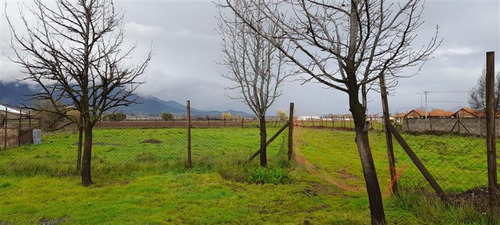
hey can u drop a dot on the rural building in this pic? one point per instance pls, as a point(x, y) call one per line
point(415, 113)
point(439, 113)
point(398, 117)
point(468, 113)
point(308, 118)
point(8, 112)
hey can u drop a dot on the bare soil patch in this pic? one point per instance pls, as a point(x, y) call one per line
point(152, 141)
point(344, 174)
point(478, 197)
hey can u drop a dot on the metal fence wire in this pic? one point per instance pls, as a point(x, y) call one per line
point(464, 157)
point(126, 151)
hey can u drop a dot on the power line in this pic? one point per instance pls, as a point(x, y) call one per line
point(448, 102)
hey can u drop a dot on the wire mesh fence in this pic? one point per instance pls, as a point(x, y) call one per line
point(457, 162)
point(336, 122)
point(128, 151)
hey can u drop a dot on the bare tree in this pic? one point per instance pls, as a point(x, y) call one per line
point(73, 52)
point(256, 66)
point(477, 96)
point(348, 45)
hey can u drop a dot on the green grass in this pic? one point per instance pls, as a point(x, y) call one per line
point(458, 164)
point(143, 183)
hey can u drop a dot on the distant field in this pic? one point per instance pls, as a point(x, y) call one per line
point(140, 178)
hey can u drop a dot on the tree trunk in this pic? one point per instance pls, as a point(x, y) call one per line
point(263, 137)
point(369, 172)
point(87, 156)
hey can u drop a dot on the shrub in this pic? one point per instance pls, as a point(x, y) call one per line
point(269, 176)
point(117, 116)
point(226, 116)
point(167, 116)
point(282, 115)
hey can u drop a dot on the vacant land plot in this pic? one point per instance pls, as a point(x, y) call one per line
point(141, 178)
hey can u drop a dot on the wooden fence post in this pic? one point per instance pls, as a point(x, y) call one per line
point(29, 127)
point(388, 136)
point(242, 121)
point(189, 162)
point(290, 131)
point(491, 132)
point(5, 130)
point(428, 176)
point(20, 126)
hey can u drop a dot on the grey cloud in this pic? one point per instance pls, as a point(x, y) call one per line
point(187, 48)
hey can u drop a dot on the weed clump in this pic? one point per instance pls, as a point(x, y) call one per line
point(269, 176)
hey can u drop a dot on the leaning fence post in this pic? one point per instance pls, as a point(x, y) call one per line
point(388, 135)
point(290, 132)
point(428, 176)
point(490, 131)
point(189, 162)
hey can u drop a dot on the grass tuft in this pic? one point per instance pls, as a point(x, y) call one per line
point(269, 176)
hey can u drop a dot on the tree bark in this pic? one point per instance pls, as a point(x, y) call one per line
point(369, 172)
point(263, 147)
point(87, 156)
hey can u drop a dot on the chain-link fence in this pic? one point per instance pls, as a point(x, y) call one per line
point(457, 162)
point(127, 148)
point(337, 122)
point(129, 151)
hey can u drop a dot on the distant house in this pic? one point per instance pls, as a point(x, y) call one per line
point(439, 113)
point(398, 117)
point(468, 113)
point(308, 118)
point(8, 112)
point(415, 114)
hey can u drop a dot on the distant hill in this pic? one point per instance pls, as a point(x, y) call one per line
point(150, 105)
point(16, 94)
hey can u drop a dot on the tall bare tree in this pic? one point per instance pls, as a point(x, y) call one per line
point(477, 96)
point(256, 66)
point(347, 45)
point(73, 51)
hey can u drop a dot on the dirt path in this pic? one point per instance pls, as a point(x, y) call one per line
point(314, 170)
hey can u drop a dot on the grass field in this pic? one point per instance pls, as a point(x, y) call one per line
point(141, 181)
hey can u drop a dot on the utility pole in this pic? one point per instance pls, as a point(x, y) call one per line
point(424, 95)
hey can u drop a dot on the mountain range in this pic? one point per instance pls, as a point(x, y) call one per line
point(16, 94)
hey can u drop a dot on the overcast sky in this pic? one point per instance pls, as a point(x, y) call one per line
point(187, 48)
